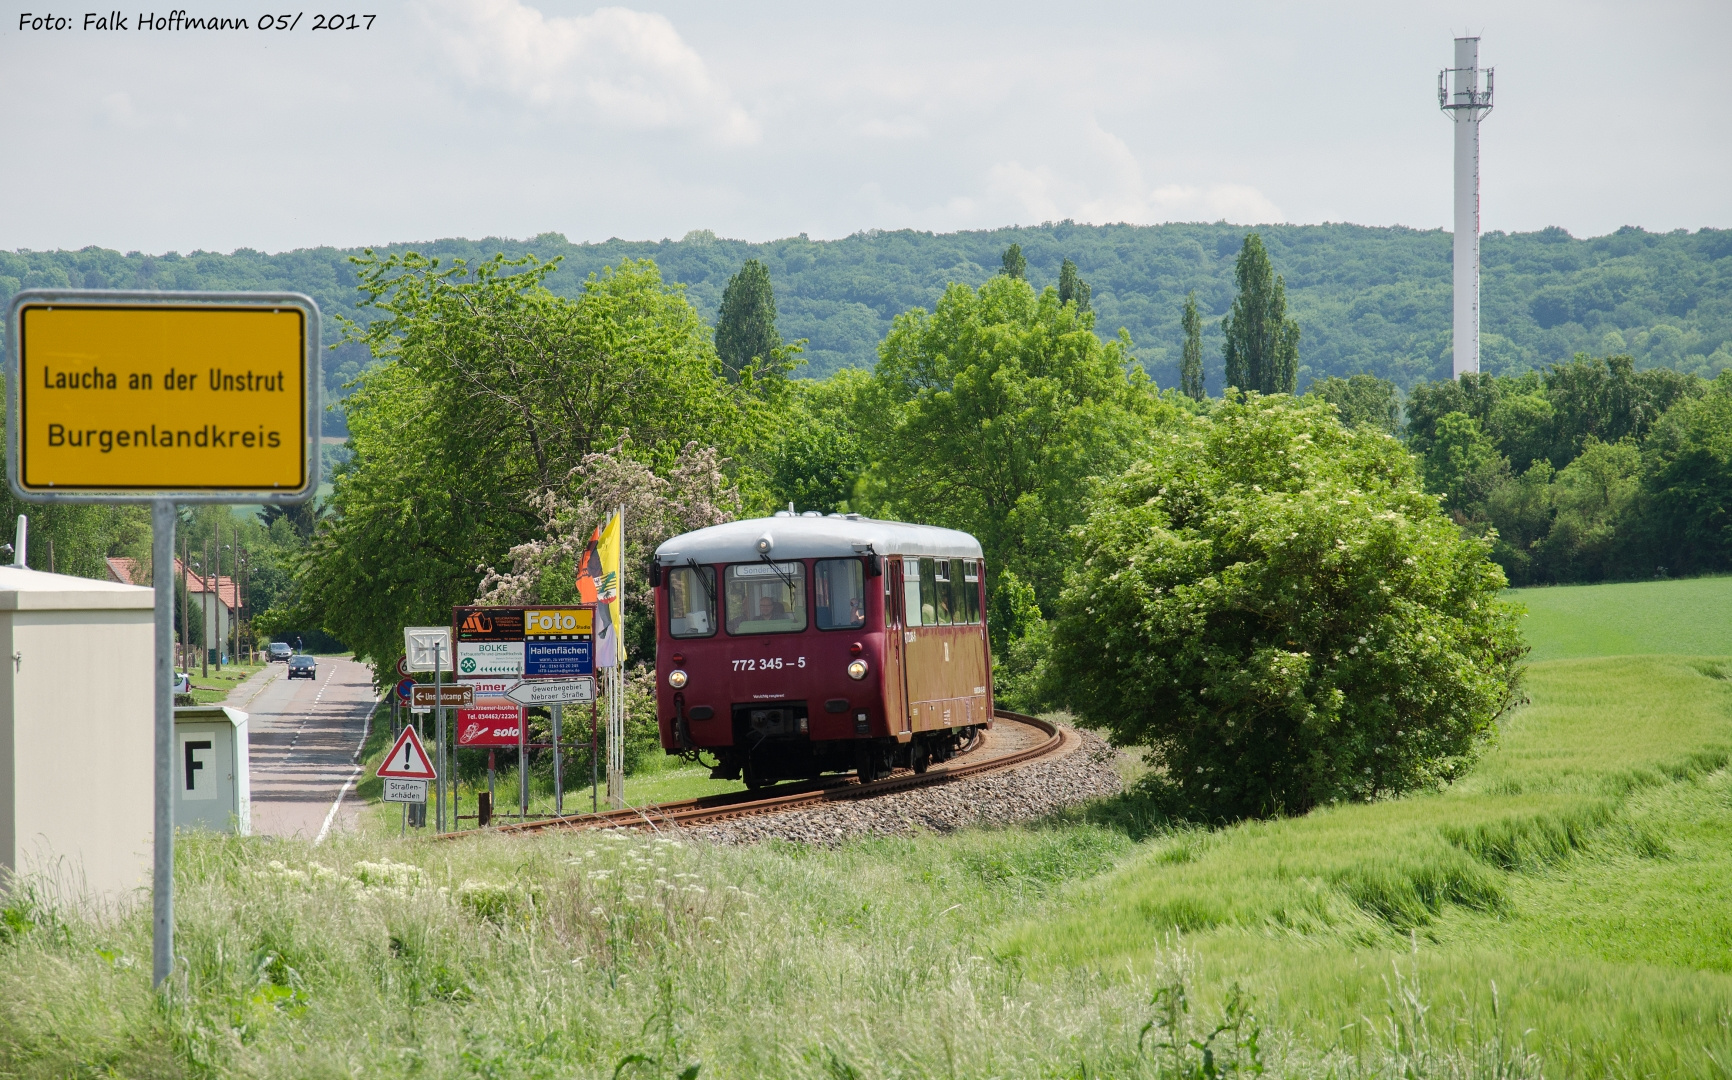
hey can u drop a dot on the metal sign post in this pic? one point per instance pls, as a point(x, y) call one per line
point(444, 767)
point(162, 520)
point(166, 399)
point(428, 648)
point(558, 776)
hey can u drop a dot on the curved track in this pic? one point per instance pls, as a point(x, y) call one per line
point(713, 808)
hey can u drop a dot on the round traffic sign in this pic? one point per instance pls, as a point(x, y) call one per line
point(403, 666)
point(405, 688)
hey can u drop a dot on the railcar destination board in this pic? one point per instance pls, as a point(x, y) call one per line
point(191, 396)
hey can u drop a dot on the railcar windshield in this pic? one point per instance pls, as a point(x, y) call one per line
point(839, 592)
point(691, 601)
point(766, 597)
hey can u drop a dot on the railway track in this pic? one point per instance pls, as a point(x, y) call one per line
point(784, 797)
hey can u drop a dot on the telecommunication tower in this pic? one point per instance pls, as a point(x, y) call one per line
point(1460, 97)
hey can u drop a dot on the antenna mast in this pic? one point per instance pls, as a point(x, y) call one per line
point(1460, 97)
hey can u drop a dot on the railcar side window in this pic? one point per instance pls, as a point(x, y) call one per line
point(839, 593)
point(766, 598)
point(971, 588)
point(691, 601)
point(946, 596)
point(928, 593)
point(911, 592)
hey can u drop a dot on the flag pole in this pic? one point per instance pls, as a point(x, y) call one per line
point(616, 697)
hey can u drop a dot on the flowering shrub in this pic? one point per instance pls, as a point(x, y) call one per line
point(1272, 603)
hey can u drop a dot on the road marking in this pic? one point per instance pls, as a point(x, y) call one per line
point(354, 760)
point(271, 677)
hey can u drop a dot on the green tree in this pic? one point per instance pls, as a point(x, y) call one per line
point(1687, 502)
point(1520, 509)
point(1191, 367)
point(1462, 465)
point(746, 337)
point(1021, 639)
point(993, 413)
point(1361, 400)
point(1593, 498)
point(817, 453)
point(303, 518)
point(1071, 287)
point(492, 393)
point(1270, 602)
point(1521, 427)
point(1015, 266)
point(1262, 346)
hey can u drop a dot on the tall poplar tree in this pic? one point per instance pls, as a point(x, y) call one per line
point(1071, 287)
point(1191, 365)
point(1262, 347)
point(1015, 266)
point(746, 326)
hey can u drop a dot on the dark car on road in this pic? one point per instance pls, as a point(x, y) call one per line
point(303, 667)
point(278, 652)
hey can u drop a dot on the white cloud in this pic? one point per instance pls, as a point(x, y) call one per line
point(1240, 203)
point(116, 109)
point(1102, 181)
point(619, 68)
point(902, 127)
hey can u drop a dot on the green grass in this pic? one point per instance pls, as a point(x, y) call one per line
point(1564, 911)
point(658, 778)
point(1585, 869)
point(213, 687)
point(1691, 617)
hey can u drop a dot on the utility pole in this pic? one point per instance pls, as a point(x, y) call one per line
point(204, 610)
point(1460, 97)
point(185, 607)
point(235, 535)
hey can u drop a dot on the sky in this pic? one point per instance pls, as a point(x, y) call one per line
point(764, 120)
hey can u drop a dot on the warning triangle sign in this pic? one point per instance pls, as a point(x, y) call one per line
point(407, 759)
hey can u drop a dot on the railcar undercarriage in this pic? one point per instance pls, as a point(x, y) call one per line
point(767, 752)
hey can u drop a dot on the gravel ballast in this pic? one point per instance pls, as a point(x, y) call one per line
point(1020, 794)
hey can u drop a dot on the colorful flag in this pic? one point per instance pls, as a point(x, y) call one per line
point(589, 569)
point(610, 551)
point(598, 582)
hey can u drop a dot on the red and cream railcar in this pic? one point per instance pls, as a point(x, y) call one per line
point(801, 644)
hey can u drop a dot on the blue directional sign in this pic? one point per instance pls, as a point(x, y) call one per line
point(549, 658)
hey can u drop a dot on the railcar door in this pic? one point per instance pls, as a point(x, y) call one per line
point(894, 676)
point(927, 645)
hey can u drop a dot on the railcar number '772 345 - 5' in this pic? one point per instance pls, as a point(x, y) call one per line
point(769, 663)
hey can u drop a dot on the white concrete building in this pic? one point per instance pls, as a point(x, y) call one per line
point(77, 716)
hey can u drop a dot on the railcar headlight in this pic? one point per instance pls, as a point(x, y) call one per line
point(857, 669)
point(677, 679)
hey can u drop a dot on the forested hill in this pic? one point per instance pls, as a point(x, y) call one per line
point(1367, 299)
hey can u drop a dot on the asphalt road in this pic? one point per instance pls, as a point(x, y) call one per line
point(304, 735)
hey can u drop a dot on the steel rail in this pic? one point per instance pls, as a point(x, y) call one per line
point(714, 808)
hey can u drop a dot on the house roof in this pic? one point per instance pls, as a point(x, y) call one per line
point(224, 587)
point(123, 571)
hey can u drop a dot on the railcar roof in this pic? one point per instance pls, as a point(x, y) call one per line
point(814, 537)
